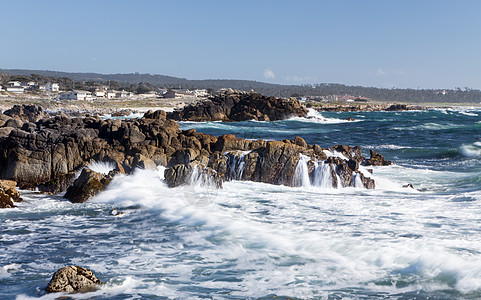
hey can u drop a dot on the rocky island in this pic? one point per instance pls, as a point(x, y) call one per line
point(231, 106)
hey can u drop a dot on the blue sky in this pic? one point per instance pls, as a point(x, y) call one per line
point(381, 43)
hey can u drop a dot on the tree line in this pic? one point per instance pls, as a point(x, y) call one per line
point(140, 83)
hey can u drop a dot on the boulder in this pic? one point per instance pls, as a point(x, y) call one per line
point(73, 279)
point(58, 184)
point(87, 185)
point(142, 162)
point(8, 194)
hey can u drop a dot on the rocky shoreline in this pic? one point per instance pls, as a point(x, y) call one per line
point(354, 107)
point(43, 152)
point(54, 153)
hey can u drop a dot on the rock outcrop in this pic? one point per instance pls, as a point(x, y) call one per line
point(26, 113)
point(240, 106)
point(87, 185)
point(73, 279)
point(377, 159)
point(351, 107)
point(46, 154)
point(8, 194)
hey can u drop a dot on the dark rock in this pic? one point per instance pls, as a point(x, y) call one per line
point(73, 279)
point(158, 114)
point(5, 131)
point(58, 184)
point(191, 173)
point(46, 153)
point(27, 113)
point(240, 106)
point(87, 185)
point(14, 123)
point(376, 159)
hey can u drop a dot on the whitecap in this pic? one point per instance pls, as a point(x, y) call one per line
point(314, 116)
point(470, 150)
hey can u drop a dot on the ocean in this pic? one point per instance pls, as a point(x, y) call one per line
point(260, 241)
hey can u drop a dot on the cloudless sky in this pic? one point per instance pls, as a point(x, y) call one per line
point(381, 43)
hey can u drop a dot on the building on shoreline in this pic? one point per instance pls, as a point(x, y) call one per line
point(52, 87)
point(172, 94)
point(77, 95)
point(16, 89)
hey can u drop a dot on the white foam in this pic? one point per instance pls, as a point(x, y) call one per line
point(470, 150)
point(314, 116)
point(101, 167)
point(269, 239)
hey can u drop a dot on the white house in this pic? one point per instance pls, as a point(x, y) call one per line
point(100, 94)
point(110, 94)
point(52, 87)
point(14, 83)
point(77, 95)
point(178, 94)
point(123, 94)
point(201, 93)
point(16, 89)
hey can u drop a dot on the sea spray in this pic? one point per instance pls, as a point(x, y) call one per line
point(322, 175)
point(103, 167)
point(301, 175)
point(235, 164)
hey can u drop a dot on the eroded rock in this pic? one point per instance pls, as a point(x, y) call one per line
point(73, 279)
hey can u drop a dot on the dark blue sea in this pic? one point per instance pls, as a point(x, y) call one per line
point(260, 241)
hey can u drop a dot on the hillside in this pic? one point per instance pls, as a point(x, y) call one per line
point(323, 89)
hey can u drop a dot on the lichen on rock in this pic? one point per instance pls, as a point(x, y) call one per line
point(73, 279)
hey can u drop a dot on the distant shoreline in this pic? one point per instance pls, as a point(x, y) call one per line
point(140, 106)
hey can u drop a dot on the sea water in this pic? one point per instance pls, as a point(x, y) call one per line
point(255, 240)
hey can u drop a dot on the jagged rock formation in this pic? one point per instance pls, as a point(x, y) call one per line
point(72, 279)
point(26, 113)
point(46, 154)
point(377, 159)
point(240, 106)
point(8, 194)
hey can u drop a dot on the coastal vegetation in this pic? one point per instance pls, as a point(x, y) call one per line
point(138, 83)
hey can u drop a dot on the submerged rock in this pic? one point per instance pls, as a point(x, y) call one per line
point(73, 279)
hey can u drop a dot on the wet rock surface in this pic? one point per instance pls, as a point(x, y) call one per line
point(47, 153)
point(73, 279)
point(9, 194)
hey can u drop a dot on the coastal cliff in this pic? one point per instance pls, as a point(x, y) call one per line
point(46, 154)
